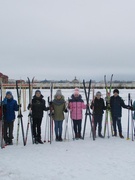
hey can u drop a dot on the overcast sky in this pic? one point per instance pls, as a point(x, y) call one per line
point(61, 39)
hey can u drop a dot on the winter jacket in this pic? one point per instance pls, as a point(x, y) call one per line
point(134, 110)
point(98, 106)
point(38, 106)
point(116, 104)
point(9, 108)
point(76, 105)
point(59, 107)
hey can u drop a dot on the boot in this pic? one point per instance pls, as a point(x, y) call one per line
point(39, 141)
point(60, 138)
point(100, 135)
point(76, 136)
point(121, 136)
point(115, 134)
point(10, 143)
point(36, 140)
point(57, 138)
point(79, 135)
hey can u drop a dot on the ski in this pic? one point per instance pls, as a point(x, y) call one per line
point(30, 120)
point(132, 122)
point(108, 110)
point(1, 118)
point(93, 99)
point(88, 113)
point(66, 123)
point(51, 121)
point(20, 120)
point(129, 102)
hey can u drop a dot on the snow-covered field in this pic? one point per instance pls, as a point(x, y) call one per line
point(108, 158)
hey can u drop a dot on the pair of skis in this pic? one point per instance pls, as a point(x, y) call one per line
point(88, 113)
point(108, 110)
point(20, 120)
point(132, 120)
point(20, 116)
point(2, 144)
point(49, 120)
point(30, 120)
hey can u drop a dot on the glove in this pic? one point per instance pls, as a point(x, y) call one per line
point(130, 107)
point(30, 114)
point(66, 111)
point(50, 103)
point(29, 106)
point(19, 106)
point(20, 115)
point(108, 108)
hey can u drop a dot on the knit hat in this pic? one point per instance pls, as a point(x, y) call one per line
point(9, 92)
point(115, 91)
point(76, 91)
point(58, 93)
point(98, 93)
point(37, 91)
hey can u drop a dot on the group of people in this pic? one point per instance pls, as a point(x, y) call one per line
point(58, 107)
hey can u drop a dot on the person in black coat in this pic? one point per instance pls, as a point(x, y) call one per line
point(116, 105)
point(37, 106)
point(98, 107)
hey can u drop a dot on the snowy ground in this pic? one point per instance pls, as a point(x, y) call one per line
point(108, 158)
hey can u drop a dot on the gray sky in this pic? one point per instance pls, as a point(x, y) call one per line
point(61, 39)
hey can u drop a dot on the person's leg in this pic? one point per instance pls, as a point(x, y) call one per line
point(56, 129)
point(95, 123)
point(60, 130)
point(100, 126)
point(5, 132)
point(75, 127)
point(39, 121)
point(34, 128)
point(79, 128)
point(10, 132)
point(114, 119)
point(119, 127)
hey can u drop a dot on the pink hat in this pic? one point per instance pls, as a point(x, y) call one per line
point(76, 91)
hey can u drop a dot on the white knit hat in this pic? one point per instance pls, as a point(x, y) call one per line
point(58, 93)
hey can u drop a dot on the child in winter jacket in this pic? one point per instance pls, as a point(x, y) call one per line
point(98, 107)
point(116, 104)
point(37, 107)
point(76, 106)
point(58, 107)
point(9, 108)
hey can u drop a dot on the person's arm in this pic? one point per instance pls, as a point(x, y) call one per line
point(124, 105)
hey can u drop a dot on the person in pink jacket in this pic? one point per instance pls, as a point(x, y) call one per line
point(76, 106)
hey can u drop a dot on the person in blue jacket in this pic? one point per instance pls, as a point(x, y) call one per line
point(9, 107)
point(116, 104)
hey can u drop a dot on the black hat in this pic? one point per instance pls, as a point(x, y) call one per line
point(115, 91)
point(37, 91)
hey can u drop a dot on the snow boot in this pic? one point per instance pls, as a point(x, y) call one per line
point(36, 141)
point(79, 135)
point(115, 134)
point(40, 142)
point(76, 136)
point(60, 138)
point(121, 136)
point(57, 138)
point(101, 136)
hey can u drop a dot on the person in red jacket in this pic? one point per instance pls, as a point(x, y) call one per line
point(76, 106)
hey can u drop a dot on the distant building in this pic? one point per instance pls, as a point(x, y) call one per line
point(3, 78)
point(76, 81)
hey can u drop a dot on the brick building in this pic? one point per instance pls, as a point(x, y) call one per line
point(3, 78)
